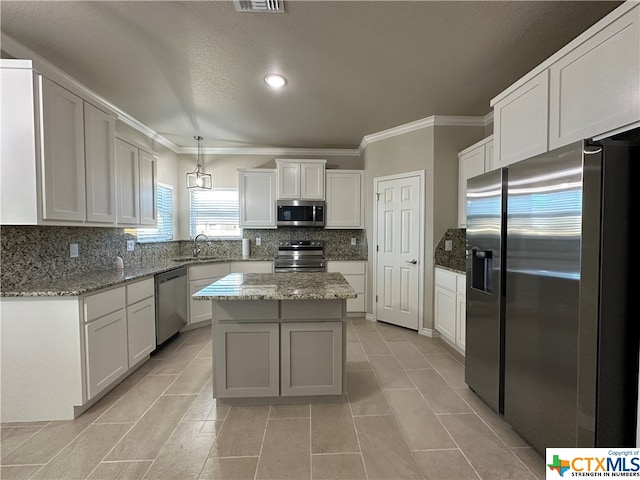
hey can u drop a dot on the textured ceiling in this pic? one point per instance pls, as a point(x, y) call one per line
point(354, 67)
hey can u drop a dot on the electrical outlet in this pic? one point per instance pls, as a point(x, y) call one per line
point(131, 244)
point(354, 241)
point(448, 245)
point(73, 250)
point(258, 241)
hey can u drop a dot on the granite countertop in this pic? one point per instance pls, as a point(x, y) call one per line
point(278, 286)
point(84, 283)
point(456, 270)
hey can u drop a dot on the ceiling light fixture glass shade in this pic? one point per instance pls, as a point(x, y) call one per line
point(275, 80)
point(198, 178)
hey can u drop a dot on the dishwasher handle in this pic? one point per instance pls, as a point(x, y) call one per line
point(170, 275)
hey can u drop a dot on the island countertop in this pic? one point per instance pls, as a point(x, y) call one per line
point(278, 286)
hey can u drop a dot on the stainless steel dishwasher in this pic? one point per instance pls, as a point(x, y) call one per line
point(171, 303)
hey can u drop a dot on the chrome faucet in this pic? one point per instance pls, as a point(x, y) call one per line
point(196, 247)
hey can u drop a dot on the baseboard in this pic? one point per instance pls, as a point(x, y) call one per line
point(193, 326)
point(369, 317)
point(428, 332)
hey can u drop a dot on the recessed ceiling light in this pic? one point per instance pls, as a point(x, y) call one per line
point(275, 81)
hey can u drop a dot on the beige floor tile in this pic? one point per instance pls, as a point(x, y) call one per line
point(47, 442)
point(449, 369)
point(361, 324)
point(133, 404)
point(177, 361)
point(205, 407)
point(385, 452)
point(201, 336)
point(332, 429)
point(344, 466)
point(486, 452)
point(438, 394)
point(357, 360)
point(290, 411)
point(409, 356)
point(497, 423)
point(424, 344)
point(146, 438)
point(351, 334)
point(445, 465)
point(391, 333)
point(193, 378)
point(242, 432)
point(12, 437)
point(532, 459)
point(133, 379)
point(373, 343)
point(420, 425)
point(365, 394)
point(286, 453)
point(170, 347)
point(120, 471)
point(21, 472)
point(234, 468)
point(207, 351)
point(185, 452)
point(389, 372)
point(80, 457)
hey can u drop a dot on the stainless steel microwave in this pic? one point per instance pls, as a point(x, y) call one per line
point(300, 213)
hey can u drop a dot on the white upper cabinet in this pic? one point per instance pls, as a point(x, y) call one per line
point(520, 122)
point(62, 162)
point(148, 188)
point(595, 88)
point(590, 88)
point(57, 153)
point(344, 207)
point(472, 161)
point(100, 163)
point(301, 179)
point(136, 174)
point(257, 190)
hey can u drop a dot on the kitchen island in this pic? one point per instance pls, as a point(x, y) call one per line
point(278, 337)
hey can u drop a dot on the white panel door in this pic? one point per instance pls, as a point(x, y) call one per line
point(398, 244)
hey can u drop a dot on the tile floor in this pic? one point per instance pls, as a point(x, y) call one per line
point(409, 415)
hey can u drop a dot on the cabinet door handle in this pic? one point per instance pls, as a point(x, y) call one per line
point(412, 262)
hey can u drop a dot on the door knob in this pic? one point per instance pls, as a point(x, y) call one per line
point(412, 262)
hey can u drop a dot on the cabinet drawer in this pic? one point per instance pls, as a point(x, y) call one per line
point(198, 272)
point(140, 290)
point(446, 279)
point(461, 284)
point(348, 268)
point(307, 309)
point(100, 304)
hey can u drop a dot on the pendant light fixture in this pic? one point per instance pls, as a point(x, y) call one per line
point(198, 178)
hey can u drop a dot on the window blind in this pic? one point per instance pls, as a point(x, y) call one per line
point(164, 230)
point(216, 213)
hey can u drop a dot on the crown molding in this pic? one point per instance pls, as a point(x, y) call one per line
point(432, 121)
point(271, 151)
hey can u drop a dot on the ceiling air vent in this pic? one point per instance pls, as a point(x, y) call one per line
point(266, 6)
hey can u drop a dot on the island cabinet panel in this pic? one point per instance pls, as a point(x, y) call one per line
point(311, 355)
point(247, 359)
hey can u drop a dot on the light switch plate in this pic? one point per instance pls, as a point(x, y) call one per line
point(73, 250)
point(448, 245)
point(354, 241)
point(131, 244)
point(258, 241)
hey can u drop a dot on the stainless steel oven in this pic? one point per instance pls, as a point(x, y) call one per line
point(300, 256)
point(300, 213)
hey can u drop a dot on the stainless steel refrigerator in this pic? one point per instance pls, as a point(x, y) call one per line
point(568, 362)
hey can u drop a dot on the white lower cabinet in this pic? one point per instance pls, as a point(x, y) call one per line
point(355, 273)
point(450, 306)
point(141, 320)
point(106, 351)
point(251, 267)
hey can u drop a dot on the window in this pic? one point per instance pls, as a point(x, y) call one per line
point(216, 213)
point(164, 230)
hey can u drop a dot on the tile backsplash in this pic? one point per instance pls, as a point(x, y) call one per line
point(456, 257)
point(43, 252)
